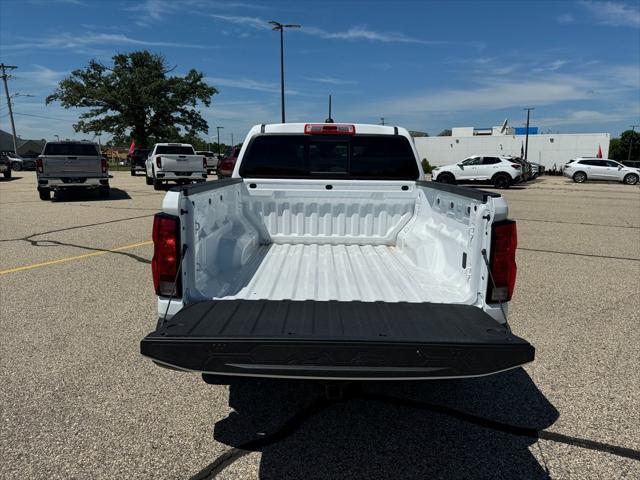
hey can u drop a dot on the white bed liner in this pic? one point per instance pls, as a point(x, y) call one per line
point(337, 272)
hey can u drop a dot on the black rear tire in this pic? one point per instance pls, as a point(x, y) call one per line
point(148, 179)
point(7, 174)
point(502, 180)
point(45, 193)
point(157, 184)
point(446, 178)
point(133, 172)
point(579, 177)
point(17, 166)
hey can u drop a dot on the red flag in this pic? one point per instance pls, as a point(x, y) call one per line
point(132, 147)
point(599, 155)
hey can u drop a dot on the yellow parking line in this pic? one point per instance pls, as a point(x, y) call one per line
point(77, 257)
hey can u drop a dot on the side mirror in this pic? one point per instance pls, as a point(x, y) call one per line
point(461, 166)
point(619, 167)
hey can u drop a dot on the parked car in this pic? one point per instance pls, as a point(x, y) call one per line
point(5, 165)
point(212, 160)
point(326, 256)
point(537, 169)
point(583, 169)
point(175, 162)
point(137, 159)
point(20, 163)
point(73, 165)
point(527, 168)
point(502, 172)
point(227, 164)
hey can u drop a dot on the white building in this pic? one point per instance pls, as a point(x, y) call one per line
point(547, 149)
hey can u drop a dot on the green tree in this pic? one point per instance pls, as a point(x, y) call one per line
point(136, 97)
point(619, 147)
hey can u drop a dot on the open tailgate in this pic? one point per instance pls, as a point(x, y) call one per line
point(335, 340)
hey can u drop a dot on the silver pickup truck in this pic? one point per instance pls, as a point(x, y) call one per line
point(71, 165)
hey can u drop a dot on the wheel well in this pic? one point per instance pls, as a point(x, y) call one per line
point(579, 171)
point(446, 173)
point(502, 173)
point(632, 173)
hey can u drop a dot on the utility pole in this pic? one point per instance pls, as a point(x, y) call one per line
point(232, 144)
point(526, 138)
point(3, 69)
point(218, 129)
point(633, 130)
point(381, 120)
point(280, 26)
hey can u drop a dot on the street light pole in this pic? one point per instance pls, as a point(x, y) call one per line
point(280, 26)
point(3, 69)
point(526, 138)
point(633, 129)
point(218, 129)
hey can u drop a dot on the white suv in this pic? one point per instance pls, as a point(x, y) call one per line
point(583, 169)
point(501, 171)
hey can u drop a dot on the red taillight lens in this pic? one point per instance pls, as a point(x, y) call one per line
point(504, 241)
point(39, 166)
point(105, 167)
point(204, 162)
point(516, 165)
point(329, 129)
point(166, 255)
point(159, 162)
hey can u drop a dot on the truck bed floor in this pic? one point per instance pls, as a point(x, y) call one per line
point(340, 272)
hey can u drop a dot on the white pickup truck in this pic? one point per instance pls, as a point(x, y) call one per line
point(326, 256)
point(175, 162)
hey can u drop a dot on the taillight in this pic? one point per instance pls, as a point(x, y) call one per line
point(39, 166)
point(166, 255)
point(516, 165)
point(204, 162)
point(105, 167)
point(159, 162)
point(504, 241)
point(329, 129)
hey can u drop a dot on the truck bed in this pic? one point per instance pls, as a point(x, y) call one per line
point(356, 340)
point(337, 272)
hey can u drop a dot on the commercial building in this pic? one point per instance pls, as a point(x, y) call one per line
point(549, 149)
point(26, 148)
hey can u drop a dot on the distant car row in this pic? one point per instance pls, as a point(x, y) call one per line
point(501, 171)
point(504, 171)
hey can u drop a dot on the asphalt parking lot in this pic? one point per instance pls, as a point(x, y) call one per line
point(78, 401)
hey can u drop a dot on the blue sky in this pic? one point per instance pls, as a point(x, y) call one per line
point(423, 65)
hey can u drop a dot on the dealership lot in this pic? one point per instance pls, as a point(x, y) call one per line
point(78, 401)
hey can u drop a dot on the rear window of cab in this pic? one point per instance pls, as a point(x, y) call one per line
point(71, 149)
point(375, 157)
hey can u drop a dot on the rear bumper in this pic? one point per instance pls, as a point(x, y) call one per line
point(336, 340)
point(73, 182)
point(195, 176)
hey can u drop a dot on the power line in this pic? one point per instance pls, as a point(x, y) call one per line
point(42, 116)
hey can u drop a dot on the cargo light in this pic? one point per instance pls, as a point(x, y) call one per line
point(504, 241)
point(166, 255)
point(329, 129)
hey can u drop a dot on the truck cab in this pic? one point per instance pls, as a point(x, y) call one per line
point(326, 256)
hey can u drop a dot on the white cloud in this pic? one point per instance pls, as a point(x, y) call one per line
point(330, 80)
point(551, 67)
point(579, 117)
point(363, 33)
point(253, 22)
point(158, 10)
point(565, 19)
point(72, 41)
point(244, 83)
point(42, 75)
point(614, 13)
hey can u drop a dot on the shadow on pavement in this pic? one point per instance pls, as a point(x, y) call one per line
point(81, 195)
point(388, 430)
